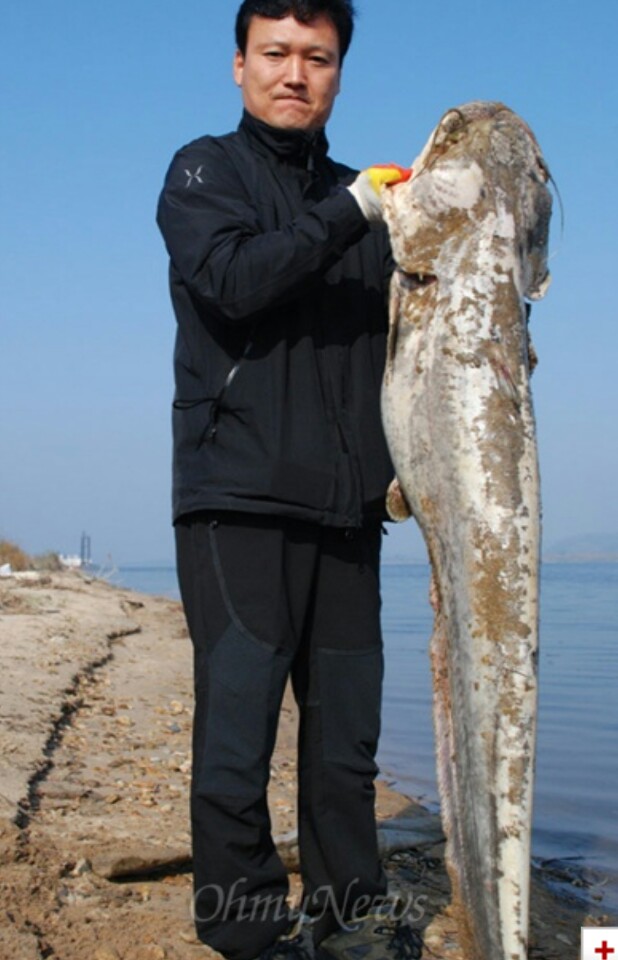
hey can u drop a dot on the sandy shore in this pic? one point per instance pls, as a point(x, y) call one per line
point(95, 717)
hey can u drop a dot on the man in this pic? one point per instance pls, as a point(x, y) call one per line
point(280, 472)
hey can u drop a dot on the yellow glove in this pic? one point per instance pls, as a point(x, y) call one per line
point(368, 185)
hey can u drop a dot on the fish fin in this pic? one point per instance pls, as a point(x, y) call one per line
point(533, 357)
point(393, 319)
point(396, 504)
point(506, 383)
point(538, 290)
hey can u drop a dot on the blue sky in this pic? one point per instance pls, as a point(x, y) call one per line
point(94, 100)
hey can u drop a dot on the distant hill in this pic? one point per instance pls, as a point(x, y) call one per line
point(585, 547)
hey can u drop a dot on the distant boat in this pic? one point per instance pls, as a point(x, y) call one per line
point(71, 560)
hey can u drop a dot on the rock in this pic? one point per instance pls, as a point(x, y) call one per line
point(114, 864)
point(58, 790)
point(146, 951)
point(131, 605)
point(393, 835)
point(287, 848)
point(189, 936)
point(123, 628)
point(417, 831)
point(106, 953)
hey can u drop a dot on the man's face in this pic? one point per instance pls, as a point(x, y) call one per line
point(290, 72)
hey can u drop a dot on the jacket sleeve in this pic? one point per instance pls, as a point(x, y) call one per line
point(210, 224)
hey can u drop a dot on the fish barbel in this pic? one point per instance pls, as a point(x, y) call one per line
point(469, 234)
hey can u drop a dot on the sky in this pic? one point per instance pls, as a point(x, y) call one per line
point(95, 98)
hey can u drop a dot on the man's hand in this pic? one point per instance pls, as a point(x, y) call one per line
point(368, 185)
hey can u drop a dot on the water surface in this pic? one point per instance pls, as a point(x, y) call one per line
point(576, 794)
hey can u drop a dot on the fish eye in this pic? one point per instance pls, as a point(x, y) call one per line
point(544, 169)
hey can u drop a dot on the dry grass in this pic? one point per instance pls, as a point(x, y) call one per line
point(47, 562)
point(11, 553)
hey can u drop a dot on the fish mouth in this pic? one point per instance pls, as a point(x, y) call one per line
point(415, 279)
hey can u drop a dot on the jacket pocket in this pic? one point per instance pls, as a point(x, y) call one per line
point(194, 421)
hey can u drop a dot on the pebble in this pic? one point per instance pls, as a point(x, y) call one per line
point(146, 951)
point(81, 867)
point(113, 864)
point(119, 762)
point(189, 936)
point(562, 937)
point(106, 953)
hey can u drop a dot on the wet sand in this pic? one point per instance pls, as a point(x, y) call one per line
point(95, 718)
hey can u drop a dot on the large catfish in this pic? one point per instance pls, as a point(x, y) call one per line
point(469, 235)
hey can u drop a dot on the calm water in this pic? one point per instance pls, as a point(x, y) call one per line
point(576, 799)
point(576, 806)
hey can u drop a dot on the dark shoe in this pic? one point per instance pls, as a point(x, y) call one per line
point(374, 937)
point(296, 945)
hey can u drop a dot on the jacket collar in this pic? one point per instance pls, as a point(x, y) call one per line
point(294, 146)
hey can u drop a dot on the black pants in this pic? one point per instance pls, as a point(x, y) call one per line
point(267, 598)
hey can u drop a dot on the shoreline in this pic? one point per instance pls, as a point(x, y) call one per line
point(95, 765)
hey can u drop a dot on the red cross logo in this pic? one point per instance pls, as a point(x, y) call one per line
point(599, 943)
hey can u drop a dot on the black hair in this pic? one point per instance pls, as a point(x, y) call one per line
point(341, 12)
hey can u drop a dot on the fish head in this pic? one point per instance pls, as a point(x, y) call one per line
point(481, 165)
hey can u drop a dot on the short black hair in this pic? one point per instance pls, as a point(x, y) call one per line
point(341, 12)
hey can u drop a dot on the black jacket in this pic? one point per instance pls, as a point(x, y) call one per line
point(279, 291)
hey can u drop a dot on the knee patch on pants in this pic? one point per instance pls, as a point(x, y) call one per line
point(245, 684)
point(350, 686)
